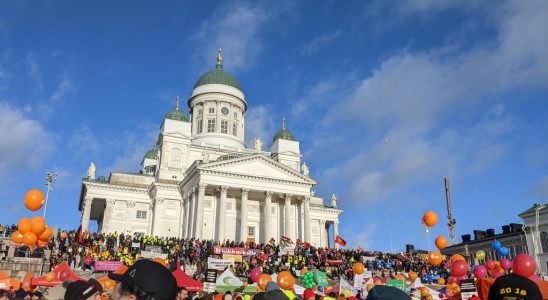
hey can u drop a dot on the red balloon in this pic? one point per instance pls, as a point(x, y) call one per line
point(490, 265)
point(524, 265)
point(459, 268)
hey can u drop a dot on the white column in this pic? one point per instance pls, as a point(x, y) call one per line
point(157, 208)
point(323, 240)
point(187, 215)
point(335, 233)
point(221, 219)
point(243, 216)
point(200, 210)
point(192, 225)
point(181, 218)
point(107, 215)
point(287, 216)
point(267, 217)
point(150, 217)
point(307, 220)
point(86, 212)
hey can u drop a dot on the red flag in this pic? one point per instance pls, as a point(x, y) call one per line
point(340, 241)
point(286, 240)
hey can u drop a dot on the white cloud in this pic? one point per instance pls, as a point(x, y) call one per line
point(64, 87)
point(34, 72)
point(314, 46)
point(363, 238)
point(25, 143)
point(427, 108)
point(236, 28)
point(259, 123)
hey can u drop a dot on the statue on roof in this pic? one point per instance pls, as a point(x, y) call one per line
point(333, 200)
point(205, 156)
point(91, 171)
point(305, 169)
point(258, 145)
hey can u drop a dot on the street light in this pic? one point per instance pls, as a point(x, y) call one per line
point(50, 178)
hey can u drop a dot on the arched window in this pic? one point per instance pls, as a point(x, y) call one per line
point(544, 241)
point(175, 158)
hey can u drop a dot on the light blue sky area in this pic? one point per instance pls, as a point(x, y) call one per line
point(386, 98)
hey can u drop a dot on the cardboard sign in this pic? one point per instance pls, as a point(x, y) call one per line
point(211, 276)
point(235, 258)
point(209, 287)
point(153, 255)
point(219, 264)
point(467, 289)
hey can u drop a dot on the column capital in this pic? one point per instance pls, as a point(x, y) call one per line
point(151, 206)
point(287, 195)
point(245, 192)
point(158, 200)
point(110, 202)
point(202, 187)
point(306, 198)
point(223, 189)
point(130, 203)
point(87, 201)
point(268, 194)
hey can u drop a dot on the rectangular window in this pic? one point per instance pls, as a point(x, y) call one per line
point(250, 231)
point(199, 123)
point(141, 214)
point(235, 129)
point(224, 126)
point(212, 110)
point(200, 112)
point(211, 125)
point(235, 115)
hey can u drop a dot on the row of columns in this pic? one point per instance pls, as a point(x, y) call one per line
point(194, 211)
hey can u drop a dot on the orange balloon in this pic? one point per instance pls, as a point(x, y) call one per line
point(50, 277)
point(34, 199)
point(435, 258)
point(456, 289)
point(456, 257)
point(400, 277)
point(430, 218)
point(63, 235)
point(286, 280)
point(25, 225)
point(412, 276)
point(377, 281)
point(29, 239)
point(263, 280)
point(46, 235)
point(369, 287)
point(38, 225)
point(358, 268)
point(424, 292)
point(160, 261)
point(41, 244)
point(303, 271)
point(441, 281)
point(441, 242)
point(17, 237)
point(109, 284)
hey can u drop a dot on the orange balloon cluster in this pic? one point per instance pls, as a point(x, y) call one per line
point(32, 232)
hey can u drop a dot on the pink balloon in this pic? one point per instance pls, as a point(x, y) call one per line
point(254, 275)
point(505, 264)
point(480, 271)
point(497, 275)
point(490, 265)
point(524, 265)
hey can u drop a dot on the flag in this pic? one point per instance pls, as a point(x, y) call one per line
point(286, 240)
point(340, 241)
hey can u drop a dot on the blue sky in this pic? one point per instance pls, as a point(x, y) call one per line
point(386, 98)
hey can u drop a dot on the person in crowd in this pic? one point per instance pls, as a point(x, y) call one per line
point(83, 290)
point(385, 292)
point(37, 295)
point(145, 279)
point(182, 294)
point(4, 295)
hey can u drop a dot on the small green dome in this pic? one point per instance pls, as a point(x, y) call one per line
point(176, 113)
point(283, 134)
point(218, 76)
point(152, 153)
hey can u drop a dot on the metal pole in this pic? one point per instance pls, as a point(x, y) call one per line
point(50, 178)
point(426, 231)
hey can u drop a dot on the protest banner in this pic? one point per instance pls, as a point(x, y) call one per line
point(235, 251)
point(156, 249)
point(152, 255)
point(211, 275)
point(334, 262)
point(347, 289)
point(400, 284)
point(467, 289)
point(219, 264)
point(107, 265)
point(358, 281)
point(321, 278)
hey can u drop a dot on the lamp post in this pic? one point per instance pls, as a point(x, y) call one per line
point(50, 178)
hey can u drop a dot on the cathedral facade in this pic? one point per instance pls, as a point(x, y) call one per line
point(200, 180)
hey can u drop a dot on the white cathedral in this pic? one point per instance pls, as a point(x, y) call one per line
point(199, 179)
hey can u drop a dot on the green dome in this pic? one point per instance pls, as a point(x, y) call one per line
point(152, 153)
point(176, 114)
point(283, 134)
point(218, 76)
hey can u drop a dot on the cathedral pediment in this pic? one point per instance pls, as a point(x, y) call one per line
point(256, 165)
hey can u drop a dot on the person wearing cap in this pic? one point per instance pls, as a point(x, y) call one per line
point(385, 292)
point(145, 279)
point(83, 290)
point(513, 286)
point(4, 295)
